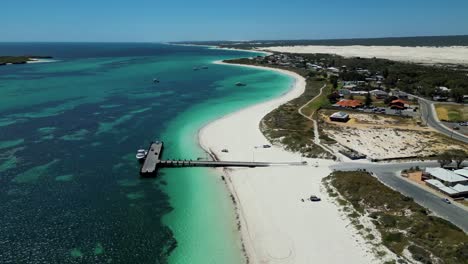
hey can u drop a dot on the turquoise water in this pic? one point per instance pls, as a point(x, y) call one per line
point(69, 185)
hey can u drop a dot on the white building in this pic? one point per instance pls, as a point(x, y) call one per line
point(448, 178)
point(452, 183)
point(463, 172)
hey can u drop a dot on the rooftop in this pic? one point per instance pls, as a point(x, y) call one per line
point(399, 101)
point(445, 175)
point(349, 103)
point(340, 115)
point(462, 172)
point(441, 186)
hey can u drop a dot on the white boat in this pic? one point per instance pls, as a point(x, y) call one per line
point(141, 154)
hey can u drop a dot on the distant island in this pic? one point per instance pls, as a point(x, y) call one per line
point(4, 60)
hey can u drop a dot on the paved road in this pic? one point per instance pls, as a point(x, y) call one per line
point(430, 118)
point(387, 173)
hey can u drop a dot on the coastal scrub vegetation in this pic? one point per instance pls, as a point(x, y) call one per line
point(285, 125)
point(13, 59)
point(19, 59)
point(404, 226)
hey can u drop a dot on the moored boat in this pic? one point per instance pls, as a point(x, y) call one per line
point(141, 155)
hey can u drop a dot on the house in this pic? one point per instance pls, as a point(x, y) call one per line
point(443, 89)
point(361, 93)
point(343, 92)
point(458, 190)
point(398, 104)
point(379, 94)
point(450, 183)
point(439, 98)
point(402, 95)
point(399, 94)
point(380, 77)
point(333, 69)
point(448, 178)
point(339, 117)
point(462, 172)
point(349, 86)
point(349, 103)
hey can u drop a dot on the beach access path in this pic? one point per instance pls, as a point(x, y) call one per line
point(310, 117)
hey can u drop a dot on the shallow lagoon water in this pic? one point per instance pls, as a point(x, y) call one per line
point(69, 185)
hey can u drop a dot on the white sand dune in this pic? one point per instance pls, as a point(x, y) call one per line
point(277, 227)
point(427, 55)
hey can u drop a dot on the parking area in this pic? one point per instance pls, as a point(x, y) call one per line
point(411, 112)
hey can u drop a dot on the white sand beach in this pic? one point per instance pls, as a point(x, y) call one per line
point(41, 60)
point(277, 227)
point(426, 55)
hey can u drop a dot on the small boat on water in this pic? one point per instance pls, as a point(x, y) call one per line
point(196, 68)
point(155, 80)
point(240, 84)
point(141, 155)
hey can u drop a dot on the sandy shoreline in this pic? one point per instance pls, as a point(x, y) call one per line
point(277, 227)
point(426, 55)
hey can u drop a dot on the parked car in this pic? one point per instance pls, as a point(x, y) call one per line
point(314, 198)
point(446, 200)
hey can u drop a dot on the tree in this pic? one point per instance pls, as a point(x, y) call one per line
point(333, 97)
point(368, 101)
point(459, 156)
point(334, 81)
point(385, 73)
point(390, 99)
point(458, 93)
point(444, 159)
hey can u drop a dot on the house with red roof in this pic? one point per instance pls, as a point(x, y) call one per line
point(398, 104)
point(349, 103)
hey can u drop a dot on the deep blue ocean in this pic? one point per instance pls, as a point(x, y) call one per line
point(69, 185)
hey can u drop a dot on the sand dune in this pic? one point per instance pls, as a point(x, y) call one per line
point(427, 55)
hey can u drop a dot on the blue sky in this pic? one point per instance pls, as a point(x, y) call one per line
point(174, 20)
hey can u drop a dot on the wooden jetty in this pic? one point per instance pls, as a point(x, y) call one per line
point(153, 162)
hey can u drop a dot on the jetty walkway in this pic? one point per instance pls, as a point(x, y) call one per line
point(153, 162)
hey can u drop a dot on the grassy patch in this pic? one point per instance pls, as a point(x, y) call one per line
point(452, 113)
point(420, 232)
point(319, 102)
